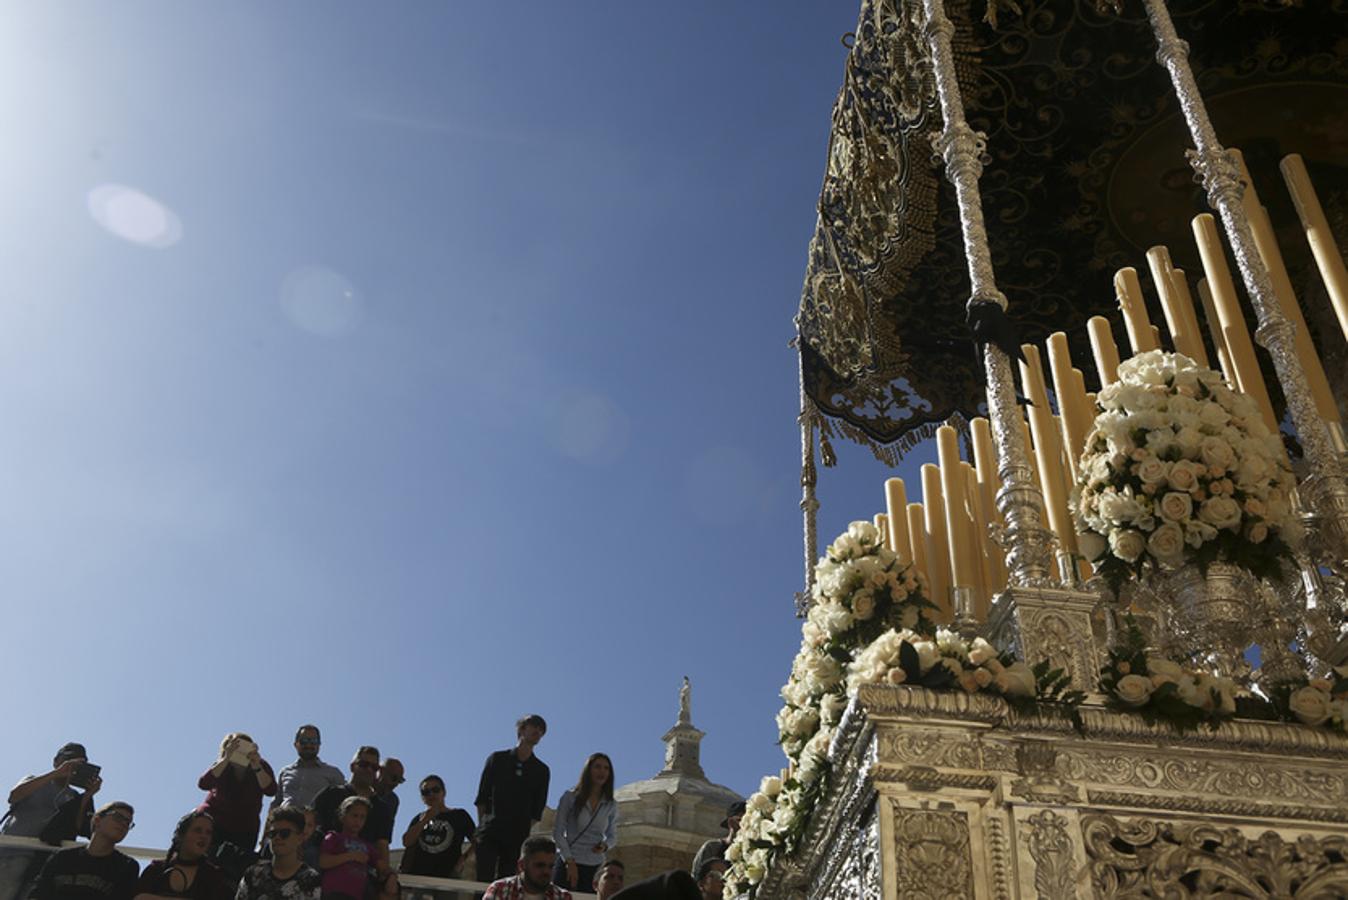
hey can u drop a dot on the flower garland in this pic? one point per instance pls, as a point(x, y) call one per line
point(861, 590)
point(1180, 468)
point(1166, 691)
point(870, 623)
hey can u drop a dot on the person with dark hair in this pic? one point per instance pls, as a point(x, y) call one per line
point(711, 879)
point(510, 798)
point(715, 848)
point(375, 830)
point(299, 783)
point(391, 774)
point(434, 839)
point(609, 878)
point(347, 858)
point(34, 804)
point(96, 870)
point(235, 784)
point(285, 876)
point(586, 824)
point(186, 870)
point(533, 875)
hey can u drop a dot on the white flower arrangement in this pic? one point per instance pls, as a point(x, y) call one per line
point(1181, 468)
point(861, 590)
point(1317, 704)
point(902, 657)
point(870, 622)
point(1161, 688)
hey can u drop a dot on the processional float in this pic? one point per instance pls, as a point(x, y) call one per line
point(1105, 654)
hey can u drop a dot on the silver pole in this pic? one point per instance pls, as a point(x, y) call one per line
point(1025, 539)
point(1325, 489)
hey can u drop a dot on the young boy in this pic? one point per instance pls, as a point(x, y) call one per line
point(285, 874)
point(345, 856)
point(97, 870)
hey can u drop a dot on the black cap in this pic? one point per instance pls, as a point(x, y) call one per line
point(71, 750)
point(735, 809)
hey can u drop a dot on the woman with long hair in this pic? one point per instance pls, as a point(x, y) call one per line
point(235, 784)
point(186, 871)
point(587, 820)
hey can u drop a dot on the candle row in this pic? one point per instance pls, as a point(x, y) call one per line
point(947, 535)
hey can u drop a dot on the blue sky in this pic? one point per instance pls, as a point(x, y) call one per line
point(404, 369)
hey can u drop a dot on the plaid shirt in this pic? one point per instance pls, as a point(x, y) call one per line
point(513, 889)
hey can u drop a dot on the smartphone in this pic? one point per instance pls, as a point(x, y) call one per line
point(84, 773)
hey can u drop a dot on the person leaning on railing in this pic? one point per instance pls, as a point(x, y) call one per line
point(96, 870)
point(40, 806)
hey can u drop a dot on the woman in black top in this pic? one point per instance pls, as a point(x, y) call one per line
point(186, 871)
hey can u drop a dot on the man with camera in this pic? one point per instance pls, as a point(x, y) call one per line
point(55, 807)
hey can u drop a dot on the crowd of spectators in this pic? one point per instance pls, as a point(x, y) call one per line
point(329, 834)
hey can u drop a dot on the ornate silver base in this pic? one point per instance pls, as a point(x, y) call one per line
point(1069, 627)
point(945, 794)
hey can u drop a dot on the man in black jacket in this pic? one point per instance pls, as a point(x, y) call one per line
point(511, 795)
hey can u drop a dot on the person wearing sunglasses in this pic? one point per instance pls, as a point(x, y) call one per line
point(377, 828)
point(433, 842)
point(96, 870)
point(285, 875)
point(300, 782)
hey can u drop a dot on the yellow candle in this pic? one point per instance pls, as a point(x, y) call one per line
point(1048, 452)
point(1226, 302)
point(1087, 402)
point(938, 549)
point(896, 503)
point(1215, 330)
point(1267, 246)
point(1321, 239)
point(1141, 335)
point(985, 465)
point(1180, 284)
point(963, 568)
point(917, 536)
point(1105, 351)
point(978, 526)
point(881, 523)
point(1172, 303)
point(1071, 400)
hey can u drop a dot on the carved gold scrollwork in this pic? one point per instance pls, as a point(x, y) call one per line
point(931, 854)
point(1175, 860)
point(1051, 848)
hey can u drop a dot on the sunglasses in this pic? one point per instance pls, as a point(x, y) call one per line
point(121, 817)
point(281, 834)
point(430, 791)
point(308, 742)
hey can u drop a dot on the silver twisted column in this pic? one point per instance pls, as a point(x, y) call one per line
point(809, 505)
point(1325, 489)
point(1027, 542)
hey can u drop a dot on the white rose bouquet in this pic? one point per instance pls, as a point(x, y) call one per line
point(1318, 701)
point(1161, 689)
point(1181, 468)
